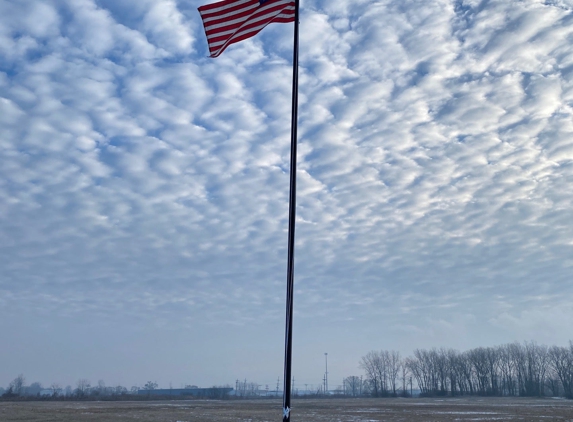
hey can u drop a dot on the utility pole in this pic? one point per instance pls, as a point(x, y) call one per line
point(326, 374)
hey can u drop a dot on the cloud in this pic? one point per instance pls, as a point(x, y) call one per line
point(168, 26)
point(143, 182)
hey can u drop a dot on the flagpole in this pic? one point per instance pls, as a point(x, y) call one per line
point(291, 226)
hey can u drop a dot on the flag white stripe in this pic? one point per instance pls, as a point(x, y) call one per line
point(226, 23)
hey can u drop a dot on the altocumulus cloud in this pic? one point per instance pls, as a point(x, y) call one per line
point(140, 179)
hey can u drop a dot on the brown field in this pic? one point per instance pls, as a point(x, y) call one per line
point(304, 410)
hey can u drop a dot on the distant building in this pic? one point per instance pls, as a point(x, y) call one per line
point(48, 392)
point(255, 393)
point(213, 392)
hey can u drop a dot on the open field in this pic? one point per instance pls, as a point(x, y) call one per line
point(336, 410)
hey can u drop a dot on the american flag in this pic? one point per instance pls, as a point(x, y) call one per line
point(230, 21)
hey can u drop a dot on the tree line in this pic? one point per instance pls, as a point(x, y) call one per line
point(515, 369)
point(84, 390)
point(18, 388)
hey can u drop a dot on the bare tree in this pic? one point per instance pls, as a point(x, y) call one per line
point(442, 369)
point(535, 360)
point(422, 368)
point(507, 370)
point(370, 364)
point(394, 365)
point(561, 362)
point(33, 389)
point(119, 390)
point(467, 382)
point(453, 371)
point(149, 387)
point(56, 389)
point(493, 359)
point(405, 374)
point(83, 386)
point(101, 389)
point(478, 360)
point(525, 369)
point(352, 386)
point(17, 385)
point(415, 369)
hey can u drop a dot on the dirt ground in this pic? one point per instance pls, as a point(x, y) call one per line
point(304, 410)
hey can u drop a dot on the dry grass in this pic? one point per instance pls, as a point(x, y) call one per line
point(351, 410)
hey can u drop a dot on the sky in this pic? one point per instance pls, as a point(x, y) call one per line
point(144, 187)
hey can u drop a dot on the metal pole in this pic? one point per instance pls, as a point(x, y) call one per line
point(291, 226)
point(326, 374)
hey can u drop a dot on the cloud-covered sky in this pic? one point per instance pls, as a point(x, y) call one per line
point(144, 187)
